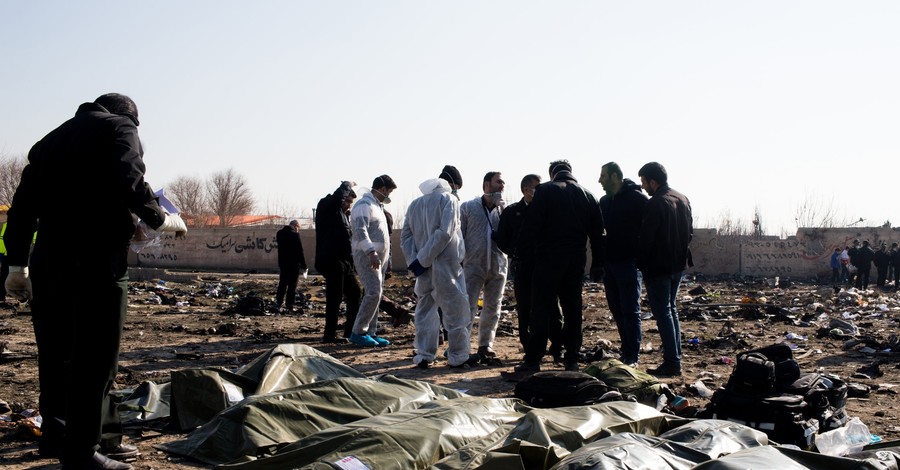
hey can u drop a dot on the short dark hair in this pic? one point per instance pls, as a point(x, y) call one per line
point(489, 176)
point(528, 179)
point(654, 171)
point(119, 104)
point(560, 165)
point(451, 175)
point(613, 168)
point(384, 181)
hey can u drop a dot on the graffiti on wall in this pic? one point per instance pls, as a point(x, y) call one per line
point(227, 243)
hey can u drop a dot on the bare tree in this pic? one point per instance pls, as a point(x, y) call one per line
point(10, 175)
point(282, 208)
point(814, 211)
point(228, 196)
point(728, 226)
point(189, 195)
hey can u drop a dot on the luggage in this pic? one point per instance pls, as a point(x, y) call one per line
point(825, 396)
point(759, 371)
point(782, 416)
point(630, 382)
point(551, 389)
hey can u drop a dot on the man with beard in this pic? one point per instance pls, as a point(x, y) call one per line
point(663, 253)
point(623, 209)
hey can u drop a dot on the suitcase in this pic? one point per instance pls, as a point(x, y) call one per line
point(551, 389)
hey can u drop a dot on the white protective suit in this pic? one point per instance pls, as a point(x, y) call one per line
point(369, 232)
point(485, 266)
point(431, 234)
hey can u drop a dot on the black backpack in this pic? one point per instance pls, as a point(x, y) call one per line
point(551, 389)
point(825, 396)
point(764, 370)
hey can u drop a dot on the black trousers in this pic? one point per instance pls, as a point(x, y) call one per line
point(523, 271)
point(78, 313)
point(340, 284)
point(287, 286)
point(556, 283)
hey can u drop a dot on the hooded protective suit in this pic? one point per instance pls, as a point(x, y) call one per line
point(485, 266)
point(431, 234)
point(369, 233)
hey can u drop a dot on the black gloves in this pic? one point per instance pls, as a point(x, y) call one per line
point(417, 268)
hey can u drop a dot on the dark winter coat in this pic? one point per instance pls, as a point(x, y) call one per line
point(865, 256)
point(333, 230)
point(666, 232)
point(622, 216)
point(510, 227)
point(90, 168)
point(290, 249)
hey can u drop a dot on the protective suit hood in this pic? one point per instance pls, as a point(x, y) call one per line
point(435, 185)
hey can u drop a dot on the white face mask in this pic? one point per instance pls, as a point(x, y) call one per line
point(497, 199)
point(386, 200)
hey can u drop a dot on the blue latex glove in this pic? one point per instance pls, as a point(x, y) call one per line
point(417, 268)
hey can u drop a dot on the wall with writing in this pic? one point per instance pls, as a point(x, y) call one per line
point(805, 255)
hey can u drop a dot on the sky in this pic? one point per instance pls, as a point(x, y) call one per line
point(764, 106)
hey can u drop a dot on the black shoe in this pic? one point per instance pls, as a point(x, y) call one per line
point(122, 452)
point(471, 362)
point(521, 372)
point(572, 367)
point(423, 364)
point(665, 370)
point(96, 462)
point(486, 351)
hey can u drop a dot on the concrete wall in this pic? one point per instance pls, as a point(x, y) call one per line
point(253, 249)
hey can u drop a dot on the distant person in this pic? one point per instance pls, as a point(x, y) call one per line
point(663, 254)
point(99, 152)
point(485, 265)
point(432, 243)
point(562, 218)
point(4, 268)
point(845, 265)
point(623, 211)
point(334, 259)
point(836, 266)
point(895, 262)
point(864, 258)
point(291, 263)
point(522, 267)
point(853, 253)
point(882, 262)
point(371, 245)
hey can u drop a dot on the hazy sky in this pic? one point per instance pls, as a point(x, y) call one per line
point(764, 104)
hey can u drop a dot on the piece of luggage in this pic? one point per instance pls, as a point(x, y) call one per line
point(630, 382)
point(551, 389)
point(764, 370)
point(783, 417)
point(825, 396)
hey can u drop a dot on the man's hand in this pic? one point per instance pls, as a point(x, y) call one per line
point(174, 223)
point(18, 284)
point(417, 268)
point(374, 260)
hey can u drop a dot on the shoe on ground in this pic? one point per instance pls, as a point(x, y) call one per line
point(96, 462)
point(423, 364)
point(381, 341)
point(122, 452)
point(521, 372)
point(629, 362)
point(471, 362)
point(665, 370)
point(646, 315)
point(572, 367)
point(333, 339)
point(486, 351)
point(363, 340)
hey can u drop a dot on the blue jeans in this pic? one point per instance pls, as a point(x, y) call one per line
point(662, 292)
point(622, 283)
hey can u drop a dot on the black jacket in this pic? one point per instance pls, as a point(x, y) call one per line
point(333, 230)
point(562, 218)
point(666, 232)
point(83, 181)
point(882, 258)
point(290, 249)
point(509, 228)
point(622, 216)
point(865, 256)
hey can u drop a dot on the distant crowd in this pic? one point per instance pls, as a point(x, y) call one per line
point(853, 265)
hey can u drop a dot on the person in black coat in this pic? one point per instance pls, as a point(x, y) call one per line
point(623, 210)
point(522, 266)
point(662, 256)
point(562, 218)
point(334, 259)
point(882, 261)
point(291, 263)
point(96, 157)
point(864, 257)
point(895, 262)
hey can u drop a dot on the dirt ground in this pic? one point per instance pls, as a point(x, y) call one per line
point(177, 325)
